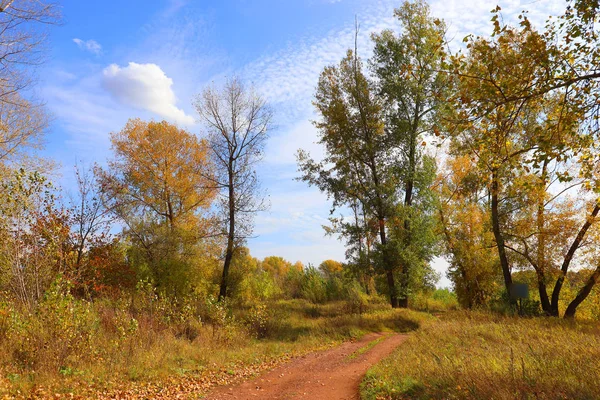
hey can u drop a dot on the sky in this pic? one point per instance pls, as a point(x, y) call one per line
point(114, 60)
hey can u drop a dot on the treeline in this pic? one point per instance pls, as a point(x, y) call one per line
point(159, 189)
point(487, 155)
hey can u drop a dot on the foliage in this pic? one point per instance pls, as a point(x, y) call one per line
point(531, 140)
point(466, 226)
point(34, 233)
point(438, 300)
point(159, 186)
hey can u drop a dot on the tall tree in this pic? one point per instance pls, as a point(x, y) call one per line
point(534, 130)
point(409, 80)
point(237, 120)
point(359, 164)
point(500, 137)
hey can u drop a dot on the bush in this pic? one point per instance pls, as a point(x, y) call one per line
point(314, 287)
point(257, 320)
point(437, 301)
point(218, 314)
point(357, 301)
point(58, 333)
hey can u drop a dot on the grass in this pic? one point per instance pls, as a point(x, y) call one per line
point(470, 355)
point(366, 348)
point(120, 357)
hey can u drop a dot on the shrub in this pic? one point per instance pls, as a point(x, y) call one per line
point(219, 315)
point(436, 301)
point(314, 287)
point(257, 320)
point(357, 301)
point(59, 332)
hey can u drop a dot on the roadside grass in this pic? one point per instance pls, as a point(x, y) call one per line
point(473, 355)
point(120, 356)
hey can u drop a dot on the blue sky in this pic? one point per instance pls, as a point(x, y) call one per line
point(114, 60)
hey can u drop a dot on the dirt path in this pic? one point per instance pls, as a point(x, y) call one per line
point(330, 375)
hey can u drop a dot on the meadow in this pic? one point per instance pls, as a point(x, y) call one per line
point(478, 355)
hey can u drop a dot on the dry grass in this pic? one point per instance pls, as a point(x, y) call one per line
point(468, 355)
point(85, 349)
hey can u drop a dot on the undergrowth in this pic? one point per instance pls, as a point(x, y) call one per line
point(71, 346)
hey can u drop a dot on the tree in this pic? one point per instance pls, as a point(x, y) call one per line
point(159, 185)
point(372, 130)
point(276, 267)
point(237, 121)
point(536, 143)
point(466, 226)
point(358, 167)
point(22, 124)
point(90, 219)
point(500, 138)
point(407, 69)
point(22, 38)
point(331, 268)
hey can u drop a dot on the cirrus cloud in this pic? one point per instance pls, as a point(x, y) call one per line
point(147, 87)
point(89, 45)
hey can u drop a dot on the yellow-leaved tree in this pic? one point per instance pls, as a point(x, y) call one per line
point(158, 185)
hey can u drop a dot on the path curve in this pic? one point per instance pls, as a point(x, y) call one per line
point(328, 375)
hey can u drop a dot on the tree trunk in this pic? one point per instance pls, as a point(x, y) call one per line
point(567, 261)
point(498, 234)
point(541, 246)
point(389, 272)
point(230, 239)
point(544, 299)
point(403, 302)
point(408, 195)
point(583, 294)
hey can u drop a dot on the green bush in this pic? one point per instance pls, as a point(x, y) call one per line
point(314, 287)
point(357, 300)
point(436, 301)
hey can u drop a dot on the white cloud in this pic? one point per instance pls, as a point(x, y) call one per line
point(147, 87)
point(89, 45)
point(174, 6)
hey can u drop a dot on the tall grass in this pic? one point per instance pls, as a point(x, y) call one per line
point(470, 355)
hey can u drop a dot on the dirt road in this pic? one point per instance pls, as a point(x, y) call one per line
point(330, 375)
